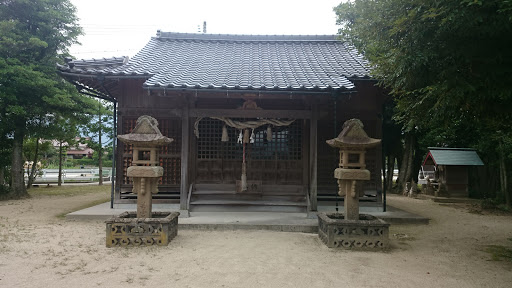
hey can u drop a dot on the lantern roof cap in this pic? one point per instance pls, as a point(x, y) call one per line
point(353, 136)
point(145, 133)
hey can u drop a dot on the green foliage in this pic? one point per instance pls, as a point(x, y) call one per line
point(447, 65)
point(4, 192)
point(499, 253)
point(37, 31)
point(424, 52)
point(29, 148)
point(494, 204)
point(34, 35)
point(100, 125)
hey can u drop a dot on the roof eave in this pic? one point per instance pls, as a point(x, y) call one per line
point(264, 91)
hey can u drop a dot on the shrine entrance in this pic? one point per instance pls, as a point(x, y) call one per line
point(273, 155)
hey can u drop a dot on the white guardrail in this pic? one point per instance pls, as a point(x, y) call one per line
point(71, 175)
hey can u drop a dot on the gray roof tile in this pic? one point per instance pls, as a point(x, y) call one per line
point(287, 62)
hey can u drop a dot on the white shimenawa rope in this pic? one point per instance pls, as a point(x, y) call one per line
point(245, 125)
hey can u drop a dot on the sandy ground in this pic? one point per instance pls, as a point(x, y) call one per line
point(38, 249)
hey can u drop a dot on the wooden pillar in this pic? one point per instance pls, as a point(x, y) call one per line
point(185, 149)
point(379, 162)
point(313, 156)
point(305, 159)
point(118, 157)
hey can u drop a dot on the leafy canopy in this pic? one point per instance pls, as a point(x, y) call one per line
point(438, 57)
point(34, 36)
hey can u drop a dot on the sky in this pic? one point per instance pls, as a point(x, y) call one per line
point(123, 27)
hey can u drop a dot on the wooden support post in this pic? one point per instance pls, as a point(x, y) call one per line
point(185, 148)
point(313, 155)
point(305, 160)
point(118, 156)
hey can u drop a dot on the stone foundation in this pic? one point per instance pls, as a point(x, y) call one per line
point(367, 233)
point(128, 230)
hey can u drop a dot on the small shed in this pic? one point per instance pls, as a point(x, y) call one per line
point(450, 168)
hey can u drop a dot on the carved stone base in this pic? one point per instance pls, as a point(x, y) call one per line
point(367, 233)
point(127, 230)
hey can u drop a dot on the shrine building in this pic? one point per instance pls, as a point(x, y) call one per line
point(249, 115)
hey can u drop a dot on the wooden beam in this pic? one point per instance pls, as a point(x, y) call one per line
point(185, 148)
point(313, 156)
point(156, 112)
point(236, 113)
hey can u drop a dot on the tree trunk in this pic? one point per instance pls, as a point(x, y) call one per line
point(404, 175)
point(32, 176)
point(59, 178)
point(390, 171)
point(503, 177)
point(18, 189)
point(2, 176)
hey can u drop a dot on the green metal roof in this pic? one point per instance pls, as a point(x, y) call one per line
point(454, 156)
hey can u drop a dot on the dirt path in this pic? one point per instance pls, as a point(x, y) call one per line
point(39, 250)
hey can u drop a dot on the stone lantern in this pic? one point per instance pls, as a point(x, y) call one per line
point(143, 227)
point(145, 138)
point(352, 230)
point(352, 142)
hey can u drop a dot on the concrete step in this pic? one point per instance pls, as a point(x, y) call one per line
point(248, 197)
point(248, 208)
point(172, 196)
point(248, 204)
point(233, 192)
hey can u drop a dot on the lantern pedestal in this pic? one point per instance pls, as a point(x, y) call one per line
point(127, 229)
point(352, 230)
point(365, 233)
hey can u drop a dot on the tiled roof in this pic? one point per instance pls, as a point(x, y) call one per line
point(454, 156)
point(93, 66)
point(182, 60)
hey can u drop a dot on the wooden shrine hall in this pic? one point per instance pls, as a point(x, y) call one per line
point(249, 114)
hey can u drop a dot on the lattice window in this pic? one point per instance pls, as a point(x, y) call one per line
point(276, 161)
point(169, 155)
point(286, 143)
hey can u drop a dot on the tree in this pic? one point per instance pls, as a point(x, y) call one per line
point(65, 131)
point(96, 130)
point(424, 52)
point(33, 34)
point(33, 148)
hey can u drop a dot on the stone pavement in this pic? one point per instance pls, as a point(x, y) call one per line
point(276, 221)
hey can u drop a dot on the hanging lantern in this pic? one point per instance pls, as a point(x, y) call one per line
point(269, 133)
point(246, 136)
point(225, 137)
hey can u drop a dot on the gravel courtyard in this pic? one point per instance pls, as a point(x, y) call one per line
point(39, 249)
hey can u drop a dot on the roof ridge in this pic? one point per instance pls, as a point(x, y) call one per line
point(244, 37)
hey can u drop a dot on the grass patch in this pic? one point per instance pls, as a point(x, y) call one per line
point(495, 205)
point(499, 252)
point(73, 190)
point(84, 206)
point(68, 190)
